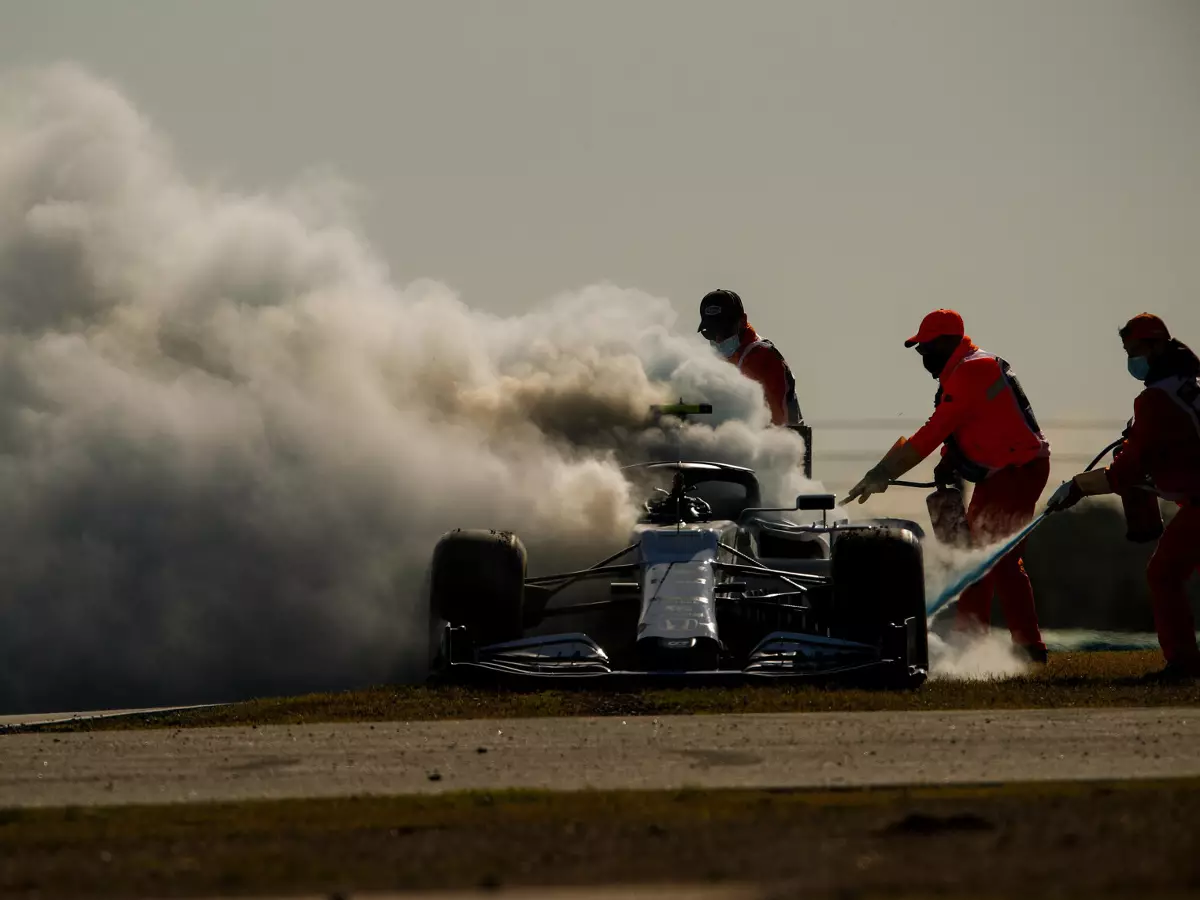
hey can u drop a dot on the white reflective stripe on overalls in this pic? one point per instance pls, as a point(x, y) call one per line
point(785, 393)
point(1001, 384)
point(741, 359)
point(1175, 386)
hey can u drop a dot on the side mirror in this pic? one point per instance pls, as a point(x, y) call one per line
point(822, 502)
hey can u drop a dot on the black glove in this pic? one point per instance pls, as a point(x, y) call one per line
point(943, 472)
point(1067, 495)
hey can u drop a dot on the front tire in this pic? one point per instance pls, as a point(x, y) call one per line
point(477, 582)
point(879, 598)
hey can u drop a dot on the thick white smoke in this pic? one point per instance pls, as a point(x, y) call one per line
point(228, 441)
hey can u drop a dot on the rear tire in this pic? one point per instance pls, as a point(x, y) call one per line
point(477, 582)
point(878, 585)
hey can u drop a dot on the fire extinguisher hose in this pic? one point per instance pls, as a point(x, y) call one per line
point(986, 565)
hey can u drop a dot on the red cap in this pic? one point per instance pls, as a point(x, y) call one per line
point(1145, 327)
point(938, 323)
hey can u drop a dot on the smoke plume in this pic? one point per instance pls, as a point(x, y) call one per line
point(229, 441)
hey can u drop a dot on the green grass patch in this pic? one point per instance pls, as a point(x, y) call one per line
point(1091, 679)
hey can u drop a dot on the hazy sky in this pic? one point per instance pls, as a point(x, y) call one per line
point(846, 166)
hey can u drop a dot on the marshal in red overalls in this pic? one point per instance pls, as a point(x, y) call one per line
point(991, 437)
point(1160, 456)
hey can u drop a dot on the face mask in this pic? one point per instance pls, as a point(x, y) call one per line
point(934, 362)
point(1139, 367)
point(728, 346)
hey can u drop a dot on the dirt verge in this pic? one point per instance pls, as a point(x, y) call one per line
point(1077, 839)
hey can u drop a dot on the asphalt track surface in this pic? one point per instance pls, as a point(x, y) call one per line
point(819, 750)
point(624, 892)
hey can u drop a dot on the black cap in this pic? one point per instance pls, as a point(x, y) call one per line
point(720, 308)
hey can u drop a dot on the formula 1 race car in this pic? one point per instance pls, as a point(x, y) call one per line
point(712, 587)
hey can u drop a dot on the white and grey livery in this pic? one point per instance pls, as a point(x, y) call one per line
point(711, 588)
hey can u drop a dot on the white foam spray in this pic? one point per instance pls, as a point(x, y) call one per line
point(987, 656)
point(954, 655)
point(228, 441)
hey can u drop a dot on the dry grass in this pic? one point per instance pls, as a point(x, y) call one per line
point(1070, 680)
point(1077, 839)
